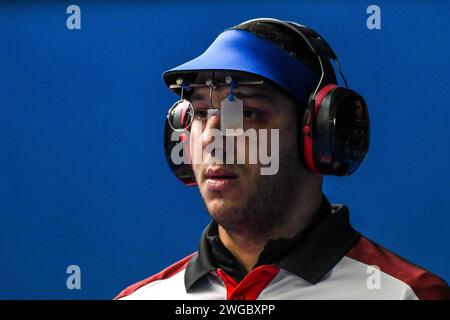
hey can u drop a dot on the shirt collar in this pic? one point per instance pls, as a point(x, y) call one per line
point(311, 254)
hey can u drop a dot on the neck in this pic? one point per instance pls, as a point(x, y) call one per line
point(247, 247)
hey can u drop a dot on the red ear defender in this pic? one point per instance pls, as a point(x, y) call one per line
point(336, 133)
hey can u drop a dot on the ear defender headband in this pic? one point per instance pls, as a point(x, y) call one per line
point(335, 129)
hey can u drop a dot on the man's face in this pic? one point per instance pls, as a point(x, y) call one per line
point(237, 196)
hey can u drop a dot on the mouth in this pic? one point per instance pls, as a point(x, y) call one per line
point(219, 179)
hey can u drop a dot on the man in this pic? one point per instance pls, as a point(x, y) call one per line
point(275, 236)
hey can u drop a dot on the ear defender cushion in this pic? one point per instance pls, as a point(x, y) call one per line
point(308, 141)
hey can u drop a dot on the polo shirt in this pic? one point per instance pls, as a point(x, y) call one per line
point(326, 260)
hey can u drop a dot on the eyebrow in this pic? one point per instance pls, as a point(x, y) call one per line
point(199, 96)
point(253, 95)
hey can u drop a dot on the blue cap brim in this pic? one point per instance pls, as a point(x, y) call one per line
point(242, 51)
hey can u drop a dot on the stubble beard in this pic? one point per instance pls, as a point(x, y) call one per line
point(267, 207)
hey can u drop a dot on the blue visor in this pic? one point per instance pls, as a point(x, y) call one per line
point(242, 51)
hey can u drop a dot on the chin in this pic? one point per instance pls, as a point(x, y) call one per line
point(219, 208)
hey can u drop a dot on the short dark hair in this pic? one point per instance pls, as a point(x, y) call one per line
point(291, 42)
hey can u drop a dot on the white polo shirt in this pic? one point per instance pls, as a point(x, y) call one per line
point(330, 261)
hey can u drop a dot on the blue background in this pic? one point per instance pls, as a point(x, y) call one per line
point(83, 178)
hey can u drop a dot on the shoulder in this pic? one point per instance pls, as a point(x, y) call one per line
point(424, 284)
point(165, 274)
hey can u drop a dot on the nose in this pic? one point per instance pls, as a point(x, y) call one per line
point(213, 123)
point(212, 127)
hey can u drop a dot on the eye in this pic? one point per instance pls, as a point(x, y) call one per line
point(201, 114)
point(251, 113)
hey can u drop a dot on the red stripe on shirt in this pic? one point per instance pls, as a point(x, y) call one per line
point(164, 274)
point(425, 285)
